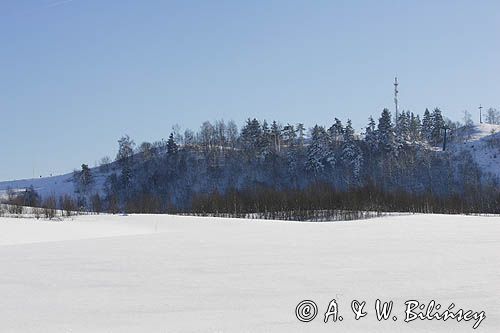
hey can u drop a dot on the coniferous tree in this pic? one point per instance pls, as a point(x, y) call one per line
point(403, 129)
point(351, 155)
point(172, 147)
point(86, 176)
point(251, 134)
point(124, 158)
point(318, 153)
point(427, 126)
point(83, 181)
point(371, 134)
point(336, 132)
point(385, 132)
point(415, 128)
point(437, 125)
point(264, 142)
point(348, 134)
point(301, 133)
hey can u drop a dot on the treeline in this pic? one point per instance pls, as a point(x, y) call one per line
point(320, 202)
point(29, 202)
point(317, 202)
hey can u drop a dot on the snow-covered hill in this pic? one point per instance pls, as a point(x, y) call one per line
point(182, 274)
point(44, 186)
point(56, 185)
point(483, 143)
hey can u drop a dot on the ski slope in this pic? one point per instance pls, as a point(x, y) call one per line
point(55, 185)
point(151, 273)
point(482, 141)
point(45, 186)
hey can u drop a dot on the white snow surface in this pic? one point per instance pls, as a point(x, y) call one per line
point(45, 186)
point(54, 185)
point(483, 142)
point(161, 273)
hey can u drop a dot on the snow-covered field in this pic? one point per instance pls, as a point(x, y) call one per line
point(181, 274)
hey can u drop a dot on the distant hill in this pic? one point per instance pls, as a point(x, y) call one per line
point(482, 141)
point(259, 161)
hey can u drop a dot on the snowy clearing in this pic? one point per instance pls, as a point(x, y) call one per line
point(164, 273)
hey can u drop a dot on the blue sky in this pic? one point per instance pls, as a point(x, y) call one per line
point(76, 75)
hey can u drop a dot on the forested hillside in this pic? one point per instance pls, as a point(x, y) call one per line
point(283, 170)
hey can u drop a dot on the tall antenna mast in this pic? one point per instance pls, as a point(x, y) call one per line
point(396, 91)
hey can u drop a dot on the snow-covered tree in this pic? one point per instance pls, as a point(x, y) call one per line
point(437, 125)
point(427, 126)
point(348, 134)
point(402, 129)
point(351, 155)
point(371, 134)
point(319, 154)
point(415, 128)
point(250, 135)
point(289, 135)
point(352, 158)
point(301, 133)
point(264, 142)
point(336, 132)
point(385, 132)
